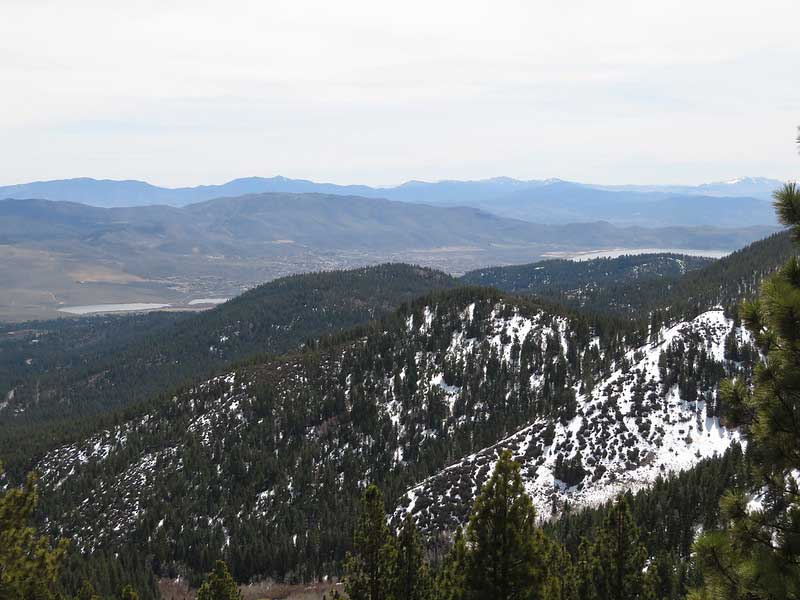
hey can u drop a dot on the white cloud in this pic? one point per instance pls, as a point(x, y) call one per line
point(186, 92)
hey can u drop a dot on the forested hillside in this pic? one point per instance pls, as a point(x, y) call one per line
point(55, 374)
point(576, 282)
point(633, 286)
point(652, 411)
point(268, 461)
point(638, 547)
point(327, 415)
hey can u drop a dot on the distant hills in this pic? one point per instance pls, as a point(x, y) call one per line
point(54, 254)
point(265, 225)
point(108, 193)
point(739, 202)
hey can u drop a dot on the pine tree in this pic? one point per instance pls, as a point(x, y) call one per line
point(411, 578)
point(620, 556)
point(219, 585)
point(757, 555)
point(369, 568)
point(507, 558)
point(29, 564)
point(562, 581)
point(663, 578)
point(589, 573)
point(656, 323)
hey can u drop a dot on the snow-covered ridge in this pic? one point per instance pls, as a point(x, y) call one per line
point(625, 432)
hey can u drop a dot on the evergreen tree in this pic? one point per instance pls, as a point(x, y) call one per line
point(29, 564)
point(757, 555)
point(562, 582)
point(656, 322)
point(508, 554)
point(411, 576)
point(219, 585)
point(451, 578)
point(369, 568)
point(589, 572)
point(618, 559)
point(663, 577)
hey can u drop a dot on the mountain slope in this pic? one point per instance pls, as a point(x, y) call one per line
point(97, 365)
point(654, 414)
point(264, 465)
point(140, 356)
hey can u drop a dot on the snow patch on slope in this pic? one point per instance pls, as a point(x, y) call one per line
point(619, 446)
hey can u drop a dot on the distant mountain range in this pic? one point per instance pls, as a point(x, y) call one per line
point(736, 203)
point(263, 225)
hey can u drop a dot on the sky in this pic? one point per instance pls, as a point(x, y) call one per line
point(193, 92)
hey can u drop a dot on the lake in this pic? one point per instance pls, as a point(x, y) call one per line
point(108, 308)
point(616, 252)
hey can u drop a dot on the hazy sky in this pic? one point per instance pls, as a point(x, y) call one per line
point(189, 92)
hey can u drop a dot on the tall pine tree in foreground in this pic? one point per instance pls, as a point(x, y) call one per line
point(757, 555)
point(29, 564)
point(508, 556)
